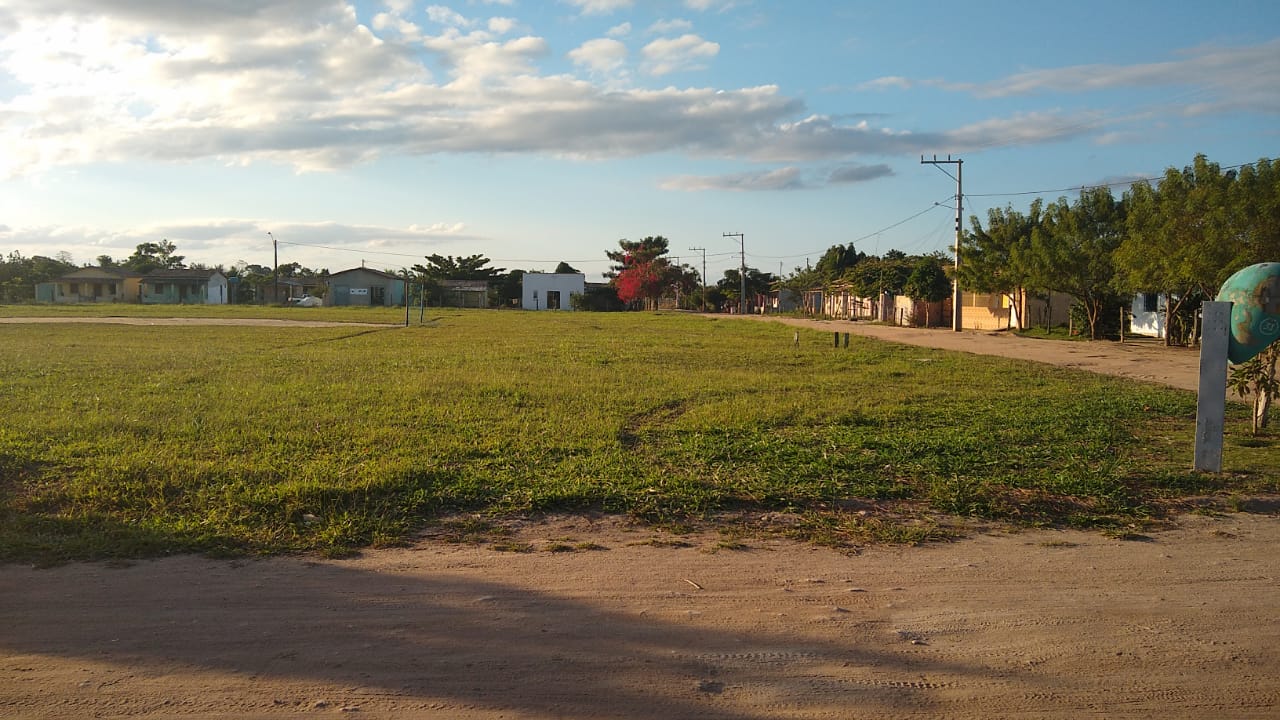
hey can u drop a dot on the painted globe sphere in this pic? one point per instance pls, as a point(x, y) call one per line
point(1255, 311)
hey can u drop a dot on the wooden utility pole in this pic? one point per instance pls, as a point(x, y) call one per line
point(704, 277)
point(742, 270)
point(956, 297)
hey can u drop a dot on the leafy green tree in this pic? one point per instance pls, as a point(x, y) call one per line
point(928, 282)
point(878, 275)
point(836, 261)
point(150, 256)
point(447, 267)
point(1180, 240)
point(19, 275)
point(1254, 201)
point(1072, 251)
point(1257, 377)
point(758, 283)
point(994, 260)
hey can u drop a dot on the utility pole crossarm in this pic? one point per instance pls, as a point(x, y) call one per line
point(956, 295)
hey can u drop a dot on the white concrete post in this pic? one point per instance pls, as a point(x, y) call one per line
point(1211, 402)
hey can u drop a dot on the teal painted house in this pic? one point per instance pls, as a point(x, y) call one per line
point(184, 287)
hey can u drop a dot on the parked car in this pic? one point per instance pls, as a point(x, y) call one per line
point(306, 301)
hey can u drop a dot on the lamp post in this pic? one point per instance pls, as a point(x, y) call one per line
point(275, 267)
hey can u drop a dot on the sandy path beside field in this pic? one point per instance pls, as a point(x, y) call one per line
point(1039, 624)
point(1140, 359)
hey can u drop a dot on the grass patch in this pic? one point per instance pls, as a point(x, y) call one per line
point(136, 441)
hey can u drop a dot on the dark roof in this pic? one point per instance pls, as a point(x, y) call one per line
point(181, 274)
point(386, 275)
point(91, 273)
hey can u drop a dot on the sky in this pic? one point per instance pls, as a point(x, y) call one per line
point(379, 132)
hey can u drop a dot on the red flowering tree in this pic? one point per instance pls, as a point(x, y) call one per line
point(640, 273)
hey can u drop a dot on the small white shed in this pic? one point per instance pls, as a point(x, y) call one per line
point(551, 291)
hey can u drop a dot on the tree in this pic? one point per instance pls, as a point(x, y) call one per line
point(836, 261)
point(20, 275)
point(758, 283)
point(1072, 250)
point(447, 267)
point(566, 268)
point(150, 256)
point(995, 259)
point(928, 282)
point(1257, 377)
point(640, 272)
point(106, 261)
point(1180, 242)
point(879, 275)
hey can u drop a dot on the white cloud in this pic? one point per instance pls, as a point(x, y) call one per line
point(705, 5)
point(1231, 78)
point(888, 82)
point(664, 26)
point(447, 16)
point(305, 84)
point(621, 30)
point(600, 7)
point(602, 55)
point(502, 25)
point(781, 179)
point(225, 240)
point(787, 178)
point(668, 55)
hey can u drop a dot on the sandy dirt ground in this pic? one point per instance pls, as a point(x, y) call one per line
point(608, 620)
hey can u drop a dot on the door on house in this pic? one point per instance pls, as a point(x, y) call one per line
point(553, 299)
point(377, 296)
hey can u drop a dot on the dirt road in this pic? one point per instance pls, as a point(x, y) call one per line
point(1040, 624)
point(1140, 359)
point(607, 620)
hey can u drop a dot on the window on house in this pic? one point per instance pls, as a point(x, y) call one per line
point(159, 288)
point(73, 289)
point(97, 289)
point(111, 289)
point(1150, 302)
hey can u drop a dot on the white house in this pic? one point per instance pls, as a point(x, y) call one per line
point(551, 291)
point(1148, 314)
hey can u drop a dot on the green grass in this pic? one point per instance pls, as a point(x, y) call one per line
point(132, 441)
point(393, 316)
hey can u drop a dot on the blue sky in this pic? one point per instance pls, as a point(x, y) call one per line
point(534, 132)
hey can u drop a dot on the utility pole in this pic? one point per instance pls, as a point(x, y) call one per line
point(704, 277)
point(742, 270)
point(275, 267)
point(956, 297)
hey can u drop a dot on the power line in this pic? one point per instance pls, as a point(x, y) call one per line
point(869, 235)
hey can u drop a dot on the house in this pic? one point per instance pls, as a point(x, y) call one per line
point(464, 293)
point(291, 288)
point(551, 291)
point(92, 285)
point(183, 287)
point(1147, 314)
point(362, 286)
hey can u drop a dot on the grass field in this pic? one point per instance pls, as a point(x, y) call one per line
point(131, 441)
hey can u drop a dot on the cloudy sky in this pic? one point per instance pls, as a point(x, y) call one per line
point(381, 131)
